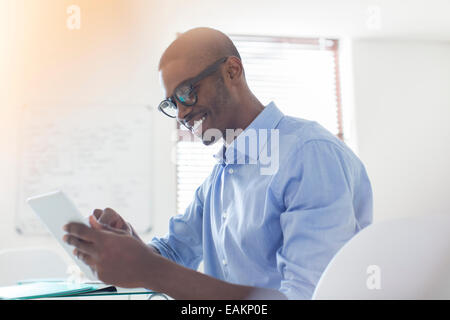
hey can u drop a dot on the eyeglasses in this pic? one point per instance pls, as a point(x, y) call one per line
point(185, 91)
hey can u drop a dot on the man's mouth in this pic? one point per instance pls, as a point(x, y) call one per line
point(196, 127)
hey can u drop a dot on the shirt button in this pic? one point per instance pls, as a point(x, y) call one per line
point(224, 215)
point(230, 171)
point(224, 262)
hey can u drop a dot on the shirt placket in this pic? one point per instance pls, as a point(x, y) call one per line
point(227, 174)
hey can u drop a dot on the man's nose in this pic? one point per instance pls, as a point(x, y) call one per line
point(183, 111)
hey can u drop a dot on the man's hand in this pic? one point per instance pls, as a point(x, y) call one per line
point(116, 256)
point(112, 221)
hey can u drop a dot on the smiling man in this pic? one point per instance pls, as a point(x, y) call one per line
point(259, 235)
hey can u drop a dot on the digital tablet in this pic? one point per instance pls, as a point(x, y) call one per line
point(55, 210)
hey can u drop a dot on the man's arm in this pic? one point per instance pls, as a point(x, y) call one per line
point(183, 283)
point(320, 215)
point(122, 260)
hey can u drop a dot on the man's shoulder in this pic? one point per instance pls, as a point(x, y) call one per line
point(294, 133)
point(307, 142)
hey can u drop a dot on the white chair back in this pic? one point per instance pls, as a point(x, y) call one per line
point(30, 263)
point(398, 259)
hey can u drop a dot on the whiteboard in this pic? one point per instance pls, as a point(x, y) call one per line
point(98, 154)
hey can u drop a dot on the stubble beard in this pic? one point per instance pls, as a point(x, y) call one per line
point(220, 105)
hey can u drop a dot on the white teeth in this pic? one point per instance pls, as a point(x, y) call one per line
point(198, 123)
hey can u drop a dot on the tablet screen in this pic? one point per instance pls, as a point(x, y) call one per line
point(56, 210)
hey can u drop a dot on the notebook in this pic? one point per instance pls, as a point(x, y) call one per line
point(35, 290)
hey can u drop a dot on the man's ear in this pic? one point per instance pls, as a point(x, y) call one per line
point(234, 68)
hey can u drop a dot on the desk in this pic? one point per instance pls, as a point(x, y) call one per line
point(121, 294)
point(62, 290)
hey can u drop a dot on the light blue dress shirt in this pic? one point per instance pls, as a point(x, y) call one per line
point(279, 228)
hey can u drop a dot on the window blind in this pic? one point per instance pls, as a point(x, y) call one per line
point(299, 75)
point(194, 163)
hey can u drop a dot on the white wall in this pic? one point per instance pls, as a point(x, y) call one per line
point(402, 103)
point(111, 59)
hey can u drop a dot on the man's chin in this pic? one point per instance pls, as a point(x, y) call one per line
point(211, 136)
point(209, 141)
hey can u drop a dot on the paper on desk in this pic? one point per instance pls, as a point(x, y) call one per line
point(44, 289)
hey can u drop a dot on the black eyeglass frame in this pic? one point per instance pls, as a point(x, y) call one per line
point(191, 83)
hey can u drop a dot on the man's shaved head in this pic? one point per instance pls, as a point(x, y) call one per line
point(199, 46)
point(222, 97)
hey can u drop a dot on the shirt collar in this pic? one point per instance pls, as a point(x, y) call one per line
point(237, 152)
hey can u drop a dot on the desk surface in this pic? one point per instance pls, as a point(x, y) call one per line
point(121, 294)
point(113, 296)
point(51, 289)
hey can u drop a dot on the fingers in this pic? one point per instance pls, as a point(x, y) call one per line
point(116, 221)
point(81, 231)
point(109, 217)
point(80, 245)
point(97, 213)
point(95, 224)
point(86, 258)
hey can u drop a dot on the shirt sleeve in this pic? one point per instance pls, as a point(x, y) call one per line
point(183, 243)
point(319, 217)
